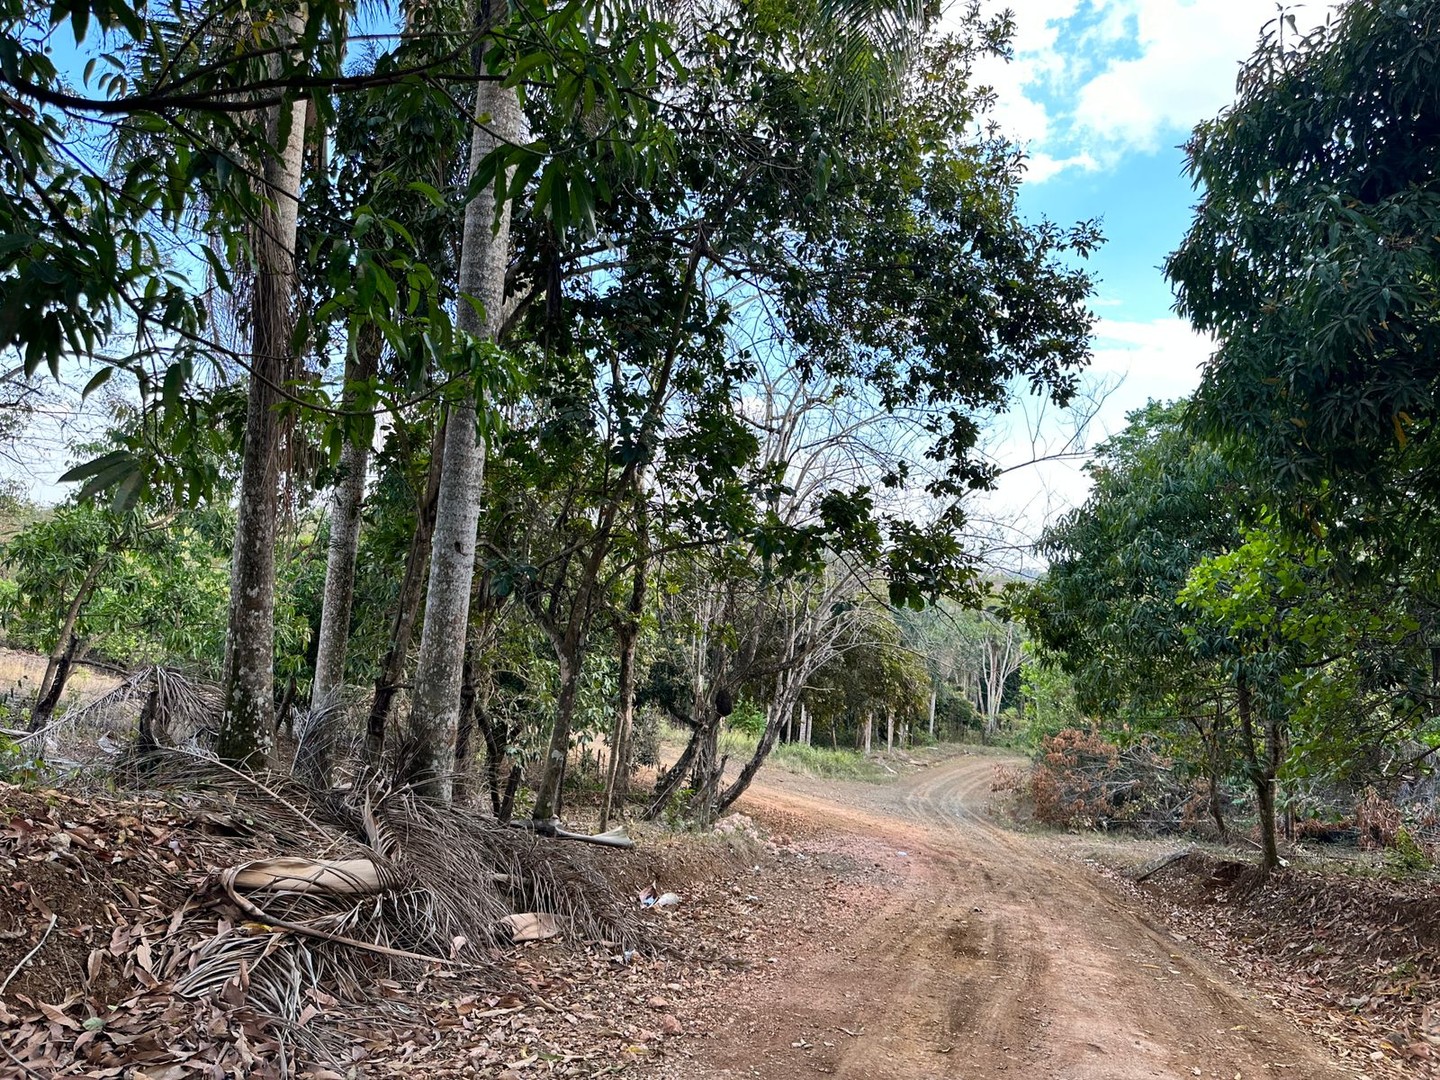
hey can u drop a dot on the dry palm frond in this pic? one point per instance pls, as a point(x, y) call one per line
point(168, 707)
point(365, 884)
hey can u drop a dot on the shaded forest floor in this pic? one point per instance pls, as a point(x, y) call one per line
point(863, 930)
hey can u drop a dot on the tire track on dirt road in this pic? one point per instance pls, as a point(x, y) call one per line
point(988, 957)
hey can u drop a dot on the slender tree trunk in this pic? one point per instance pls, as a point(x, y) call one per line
point(552, 778)
point(435, 700)
point(45, 707)
point(617, 780)
point(407, 604)
point(869, 727)
point(247, 725)
point(768, 738)
point(1216, 767)
point(62, 655)
point(1261, 776)
point(315, 756)
point(889, 728)
point(464, 766)
point(496, 738)
point(805, 724)
point(669, 780)
point(934, 695)
point(569, 645)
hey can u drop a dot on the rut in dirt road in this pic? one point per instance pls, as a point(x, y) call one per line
point(991, 958)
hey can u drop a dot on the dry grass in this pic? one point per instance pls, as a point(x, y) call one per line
point(20, 675)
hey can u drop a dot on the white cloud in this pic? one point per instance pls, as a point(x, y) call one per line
point(1093, 80)
point(1040, 166)
point(1158, 358)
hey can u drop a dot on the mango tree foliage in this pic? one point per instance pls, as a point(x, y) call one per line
point(1314, 257)
point(1106, 611)
point(1346, 664)
point(126, 588)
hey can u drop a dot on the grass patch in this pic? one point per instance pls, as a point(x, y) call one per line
point(820, 761)
point(825, 762)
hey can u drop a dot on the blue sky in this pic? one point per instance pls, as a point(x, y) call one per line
point(1102, 93)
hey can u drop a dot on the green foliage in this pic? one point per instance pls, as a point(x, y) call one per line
point(1107, 610)
point(149, 590)
point(1313, 258)
point(1049, 700)
point(747, 718)
point(1406, 853)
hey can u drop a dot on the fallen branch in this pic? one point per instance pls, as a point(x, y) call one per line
point(615, 838)
point(26, 958)
point(1169, 860)
point(5, 985)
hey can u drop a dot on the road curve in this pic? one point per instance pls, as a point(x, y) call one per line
point(990, 957)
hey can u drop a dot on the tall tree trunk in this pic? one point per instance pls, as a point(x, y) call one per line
point(617, 779)
point(869, 727)
point(485, 250)
point(934, 695)
point(316, 755)
point(407, 603)
point(889, 728)
point(247, 725)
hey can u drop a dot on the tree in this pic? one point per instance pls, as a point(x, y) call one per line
point(485, 253)
point(128, 587)
point(1313, 259)
point(248, 722)
point(1107, 608)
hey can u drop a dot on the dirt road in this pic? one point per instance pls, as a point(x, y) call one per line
point(983, 954)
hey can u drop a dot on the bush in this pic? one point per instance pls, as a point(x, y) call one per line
point(1081, 780)
point(1406, 853)
point(645, 738)
point(747, 718)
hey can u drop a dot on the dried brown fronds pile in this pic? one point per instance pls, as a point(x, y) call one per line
point(263, 905)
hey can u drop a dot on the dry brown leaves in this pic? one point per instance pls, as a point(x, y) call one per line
point(1354, 961)
point(125, 882)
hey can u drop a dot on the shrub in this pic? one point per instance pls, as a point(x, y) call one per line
point(1081, 780)
point(645, 738)
point(1406, 853)
point(747, 718)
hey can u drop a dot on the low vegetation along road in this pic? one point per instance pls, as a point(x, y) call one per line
point(983, 953)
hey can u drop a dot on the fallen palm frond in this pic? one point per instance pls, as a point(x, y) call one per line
point(335, 892)
point(164, 707)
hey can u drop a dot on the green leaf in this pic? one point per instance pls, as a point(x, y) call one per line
point(99, 379)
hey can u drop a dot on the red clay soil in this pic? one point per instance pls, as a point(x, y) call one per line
point(973, 951)
point(892, 932)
